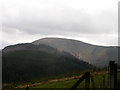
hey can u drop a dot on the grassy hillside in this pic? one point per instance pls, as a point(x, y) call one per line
point(26, 62)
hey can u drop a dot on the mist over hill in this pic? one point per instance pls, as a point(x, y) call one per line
point(93, 54)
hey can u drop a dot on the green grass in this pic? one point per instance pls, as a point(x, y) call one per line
point(98, 79)
point(61, 84)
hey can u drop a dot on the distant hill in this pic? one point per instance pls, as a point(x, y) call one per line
point(27, 61)
point(93, 54)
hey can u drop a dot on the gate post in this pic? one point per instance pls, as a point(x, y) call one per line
point(112, 74)
point(87, 80)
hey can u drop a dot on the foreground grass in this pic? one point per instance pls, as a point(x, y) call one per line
point(61, 84)
point(68, 82)
point(98, 80)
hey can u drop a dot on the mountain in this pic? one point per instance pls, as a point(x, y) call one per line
point(27, 61)
point(93, 54)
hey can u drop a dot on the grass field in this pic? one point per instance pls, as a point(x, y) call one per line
point(64, 82)
point(98, 79)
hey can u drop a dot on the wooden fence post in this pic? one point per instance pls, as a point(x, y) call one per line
point(112, 75)
point(87, 80)
point(115, 76)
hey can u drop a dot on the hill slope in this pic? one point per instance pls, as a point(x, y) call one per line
point(27, 61)
point(96, 55)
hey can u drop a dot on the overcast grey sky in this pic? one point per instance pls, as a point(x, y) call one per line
point(92, 21)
